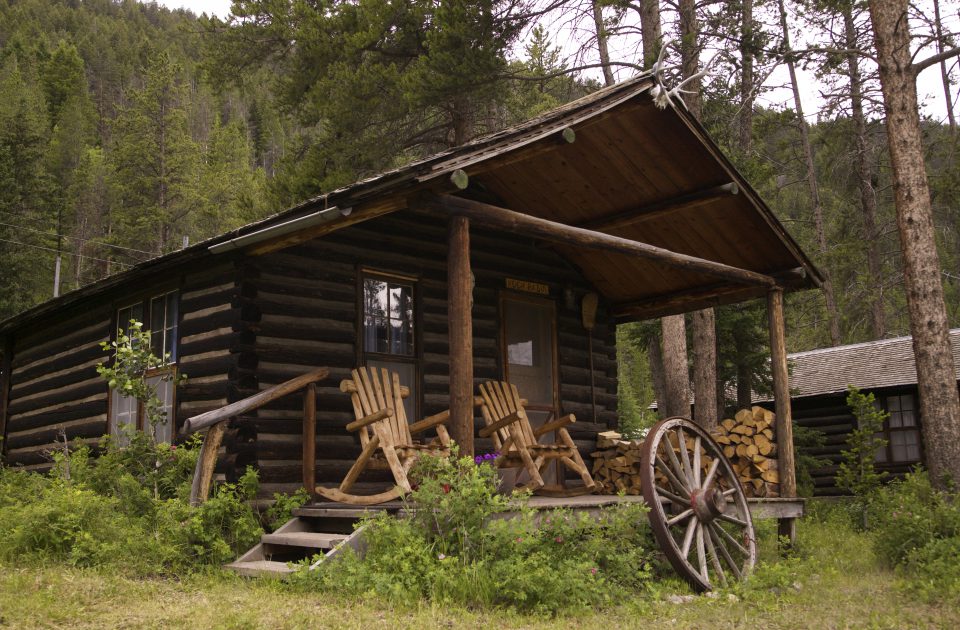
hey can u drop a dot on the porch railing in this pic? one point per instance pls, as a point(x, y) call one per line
point(217, 420)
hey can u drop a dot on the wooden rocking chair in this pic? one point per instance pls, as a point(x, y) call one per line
point(517, 442)
point(385, 436)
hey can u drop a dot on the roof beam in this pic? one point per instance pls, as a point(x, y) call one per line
point(544, 229)
point(659, 208)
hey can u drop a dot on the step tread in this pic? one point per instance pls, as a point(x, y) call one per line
point(315, 540)
point(260, 567)
point(337, 512)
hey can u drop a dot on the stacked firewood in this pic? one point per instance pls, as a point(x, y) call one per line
point(748, 440)
point(616, 464)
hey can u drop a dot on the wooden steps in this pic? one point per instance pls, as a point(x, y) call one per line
point(313, 531)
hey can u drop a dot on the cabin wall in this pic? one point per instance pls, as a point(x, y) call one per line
point(307, 300)
point(830, 414)
point(54, 388)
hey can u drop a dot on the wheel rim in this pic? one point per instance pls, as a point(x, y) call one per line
point(698, 511)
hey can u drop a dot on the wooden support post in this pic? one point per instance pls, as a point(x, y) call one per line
point(781, 393)
point(203, 474)
point(310, 438)
point(460, 333)
point(6, 361)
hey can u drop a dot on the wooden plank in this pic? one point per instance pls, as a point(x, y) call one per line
point(310, 437)
point(781, 393)
point(660, 208)
point(552, 231)
point(460, 327)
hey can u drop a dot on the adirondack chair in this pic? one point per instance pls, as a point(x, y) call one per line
point(385, 435)
point(518, 445)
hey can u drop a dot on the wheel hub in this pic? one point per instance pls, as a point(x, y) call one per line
point(707, 503)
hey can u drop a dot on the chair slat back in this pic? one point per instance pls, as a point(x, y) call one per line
point(371, 390)
point(500, 399)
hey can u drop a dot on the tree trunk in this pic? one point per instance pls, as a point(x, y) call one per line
point(705, 368)
point(675, 372)
point(944, 75)
point(746, 77)
point(602, 49)
point(655, 359)
point(649, 11)
point(833, 317)
point(939, 403)
point(868, 196)
point(690, 54)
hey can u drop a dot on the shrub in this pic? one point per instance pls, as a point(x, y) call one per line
point(283, 506)
point(455, 548)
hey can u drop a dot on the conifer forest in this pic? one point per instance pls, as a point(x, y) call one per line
point(128, 129)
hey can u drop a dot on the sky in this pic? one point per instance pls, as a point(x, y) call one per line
point(929, 86)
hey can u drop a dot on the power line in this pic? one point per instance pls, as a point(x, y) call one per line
point(50, 249)
point(76, 238)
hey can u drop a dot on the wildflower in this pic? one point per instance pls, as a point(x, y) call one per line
point(593, 571)
point(173, 447)
point(446, 488)
point(441, 556)
point(559, 539)
point(519, 539)
point(477, 459)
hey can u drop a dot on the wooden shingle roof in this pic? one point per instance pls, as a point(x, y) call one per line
point(870, 365)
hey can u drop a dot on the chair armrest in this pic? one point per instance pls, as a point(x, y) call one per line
point(367, 420)
point(429, 422)
point(489, 430)
point(556, 424)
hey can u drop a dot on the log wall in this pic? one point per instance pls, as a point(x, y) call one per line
point(306, 299)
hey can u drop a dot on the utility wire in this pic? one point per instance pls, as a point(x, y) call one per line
point(75, 238)
point(50, 249)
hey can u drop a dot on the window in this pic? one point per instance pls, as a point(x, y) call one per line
point(389, 330)
point(159, 315)
point(901, 431)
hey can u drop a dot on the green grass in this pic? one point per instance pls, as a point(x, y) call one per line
point(834, 580)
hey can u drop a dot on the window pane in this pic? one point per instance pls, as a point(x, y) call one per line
point(898, 446)
point(893, 403)
point(123, 412)
point(388, 317)
point(163, 432)
point(170, 330)
point(895, 420)
point(907, 419)
point(375, 297)
point(906, 402)
point(881, 454)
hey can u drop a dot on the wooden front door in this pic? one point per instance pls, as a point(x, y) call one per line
point(530, 352)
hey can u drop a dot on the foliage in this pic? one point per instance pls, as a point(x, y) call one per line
point(858, 472)
point(107, 512)
point(455, 549)
point(806, 439)
point(283, 505)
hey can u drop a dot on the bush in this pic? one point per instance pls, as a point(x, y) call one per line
point(455, 548)
point(127, 510)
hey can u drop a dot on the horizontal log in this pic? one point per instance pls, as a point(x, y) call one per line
point(42, 453)
point(25, 353)
point(60, 406)
point(60, 378)
point(64, 414)
point(494, 216)
point(80, 428)
point(46, 397)
point(78, 354)
point(258, 400)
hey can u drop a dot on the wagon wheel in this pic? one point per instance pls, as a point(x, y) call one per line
point(698, 510)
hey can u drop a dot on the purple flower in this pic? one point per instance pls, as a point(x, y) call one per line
point(477, 459)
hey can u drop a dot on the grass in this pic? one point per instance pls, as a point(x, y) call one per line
point(834, 580)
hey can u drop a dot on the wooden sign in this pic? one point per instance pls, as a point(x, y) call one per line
point(528, 287)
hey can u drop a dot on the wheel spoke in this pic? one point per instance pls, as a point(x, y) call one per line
point(713, 555)
point(680, 517)
point(688, 537)
point(702, 554)
point(727, 493)
point(733, 541)
point(677, 468)
point(711, 473)
point(685, 456)
point(666, 494)
point(724, 552)
point(696, 461)
point(732, 519)
point(677, 484)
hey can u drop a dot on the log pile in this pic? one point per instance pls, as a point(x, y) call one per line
point(748, 440)
point(616, 464)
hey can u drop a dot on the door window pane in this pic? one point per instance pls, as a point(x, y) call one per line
point(388, 318)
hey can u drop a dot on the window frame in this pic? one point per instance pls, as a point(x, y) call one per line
point(145, 303)
point(887, 431)
point(415, 359)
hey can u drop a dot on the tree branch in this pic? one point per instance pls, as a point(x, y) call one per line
point(920, 66)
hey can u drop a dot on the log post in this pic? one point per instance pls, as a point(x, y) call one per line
point(203, 473)
point(781, 393)
point(310, 438)
point(460, 333)
point(6, 360)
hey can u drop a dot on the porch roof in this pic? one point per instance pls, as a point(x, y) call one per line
point(633, 170)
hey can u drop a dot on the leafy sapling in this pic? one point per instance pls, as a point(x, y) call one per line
point(858, 472)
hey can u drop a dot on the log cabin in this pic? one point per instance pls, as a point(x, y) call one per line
point(473, 264)
point(886, 368)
